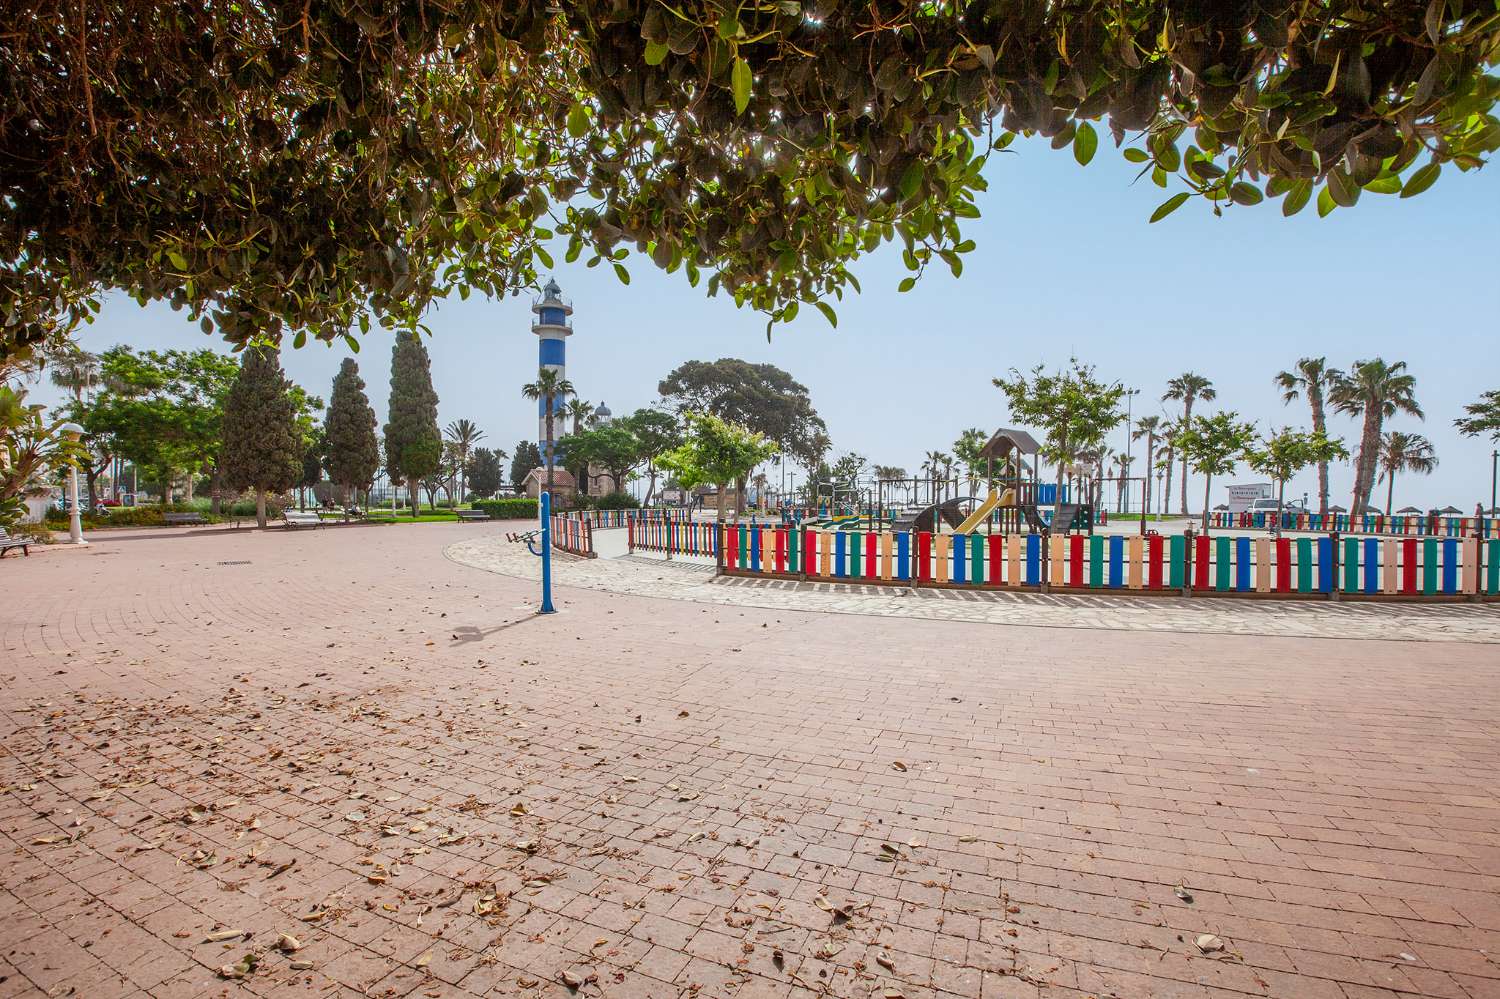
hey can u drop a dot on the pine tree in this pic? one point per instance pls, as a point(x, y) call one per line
point(523, 459)
point(353, 450)
point(262, 448)
point(413, 443)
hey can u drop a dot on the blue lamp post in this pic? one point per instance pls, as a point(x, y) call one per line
point(546, 510)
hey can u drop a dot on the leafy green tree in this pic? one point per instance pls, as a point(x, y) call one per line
point(30, 448)
point(1073, 408)
point(1403, 452)
point(716, 452)
point(1287, 452)
point(1214, 445)
point(464, 436)
point(612, 446)
point(263, 447)
point(755, 150)
point(413, 443)
point(1313, 377)
point(656, 432)
point(1186, 388)
point(846, 471)
point(525, 457)
point(966, 449)
point(548, 388)
point(1483, 418)
point(1376, 391)
point(75, 370)
point(353, 448)
point(485, 472)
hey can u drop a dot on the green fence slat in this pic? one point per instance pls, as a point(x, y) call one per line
point(1429, 566)
point(1492, 564)
point(976, 558)
point(1096, 561)
point(1221, 563)
point(1177, 561)
point(1304, 565)
point(1351, 565)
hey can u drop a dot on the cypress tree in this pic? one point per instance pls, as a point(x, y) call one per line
point(484, 472)
point(523, 459)
point(353, 451)
point(262, 448)
point(413, 443)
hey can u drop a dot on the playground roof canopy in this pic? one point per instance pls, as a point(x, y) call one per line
point(1005, 440)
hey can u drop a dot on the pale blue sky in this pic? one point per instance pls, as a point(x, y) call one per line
point(1066, 264)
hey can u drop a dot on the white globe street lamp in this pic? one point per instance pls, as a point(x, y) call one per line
point(75, 515)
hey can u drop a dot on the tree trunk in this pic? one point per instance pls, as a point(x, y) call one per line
point(1208, 484)
point(719, 502)
point(215, 493)
point(739, 498)
point(1280, 504)
point(1146, 477)
point(260, 508)
point(1320, 425)
point(414, 495)
point(1390, 490)
point(1369, 451)
point(1165, 504)
point(651, 487)
point(1187, 417)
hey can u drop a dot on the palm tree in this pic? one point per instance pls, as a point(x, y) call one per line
point(1377, 391)
point(932, 463)
point(1189, 388)
point(759, 482)
point(75, 370)
point(1402, 452)
point(1122, 464)
point(967, 449)
point(549, 387)
point(1148, 427)
point(463, 435)
point(1312, 376)
point(579, 411)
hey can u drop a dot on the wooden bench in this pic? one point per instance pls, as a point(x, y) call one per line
point(176, 519)
point(7, 543)
point(472, 514)
point(302, 518)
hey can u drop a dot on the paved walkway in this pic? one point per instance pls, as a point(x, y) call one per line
point(693, 579)
point(211, 740)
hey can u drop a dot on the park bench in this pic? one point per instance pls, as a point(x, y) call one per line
point(176, 519)
point(7, 543)
point(301, 518)
point(472, 515)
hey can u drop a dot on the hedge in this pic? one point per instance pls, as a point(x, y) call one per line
point(509, 508)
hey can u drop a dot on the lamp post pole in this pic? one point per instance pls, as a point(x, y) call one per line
point(75, 514)
point(1494, 468)
point(1130, 395)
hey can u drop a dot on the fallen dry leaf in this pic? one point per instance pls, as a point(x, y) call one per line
point(1208, 943)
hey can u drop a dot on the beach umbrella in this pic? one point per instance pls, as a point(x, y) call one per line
point(1337, 509)
point(1450, 510)
point(1408, 509)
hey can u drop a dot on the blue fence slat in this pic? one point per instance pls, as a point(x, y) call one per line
point(755, 550)
point(1116, 561)
point(1242, 563)
point(1450, 566)
point(840, 556)
point(960, 563)
point(1371, 558)
point(903, 555)
point(1325, 565)
point(1033, 560)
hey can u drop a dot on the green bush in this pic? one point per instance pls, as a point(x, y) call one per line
point(39, 534)
point(509, 508)
point(614, 501)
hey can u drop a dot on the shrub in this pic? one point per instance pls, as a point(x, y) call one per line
point(615, 501)
point(509, 508)
point(39, 534)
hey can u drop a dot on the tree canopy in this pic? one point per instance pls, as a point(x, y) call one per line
point(1072, 407)
point(349, 428)
point(263, 447)
point(716, 452)
point(413, 443)
point(760, 397)
point(273, 166)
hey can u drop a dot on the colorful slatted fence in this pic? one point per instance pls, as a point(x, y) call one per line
point(1204, 564)
point(673, 537)
point(1420, 525)
point(573, 534)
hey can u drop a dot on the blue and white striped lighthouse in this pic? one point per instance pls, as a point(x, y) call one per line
point(552, 328)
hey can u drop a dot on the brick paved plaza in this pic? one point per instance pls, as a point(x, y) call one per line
point(344, 763)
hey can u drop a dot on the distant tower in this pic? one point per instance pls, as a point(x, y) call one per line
point(552, 327)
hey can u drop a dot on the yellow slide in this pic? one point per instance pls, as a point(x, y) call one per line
point(976, 518)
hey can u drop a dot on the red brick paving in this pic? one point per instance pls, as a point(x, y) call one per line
point(664, 799)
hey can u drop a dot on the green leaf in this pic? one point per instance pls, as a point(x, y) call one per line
point(1422, 179)
point(741, 79)
point(177, 259)
point(1296, 198)
point(828, 313)
point(1243, 193)
point(907, 284)
point(622, 273)
point(656, 53)
point(1169, 206)
point(1342, 189)
point(1384, 185)
point(1085, 142)
point(1326, 203)
point(578, 121)
point(1134, 155)
point(911, 179)
point(729, 28)
point(300, 340)
point(546, 257)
